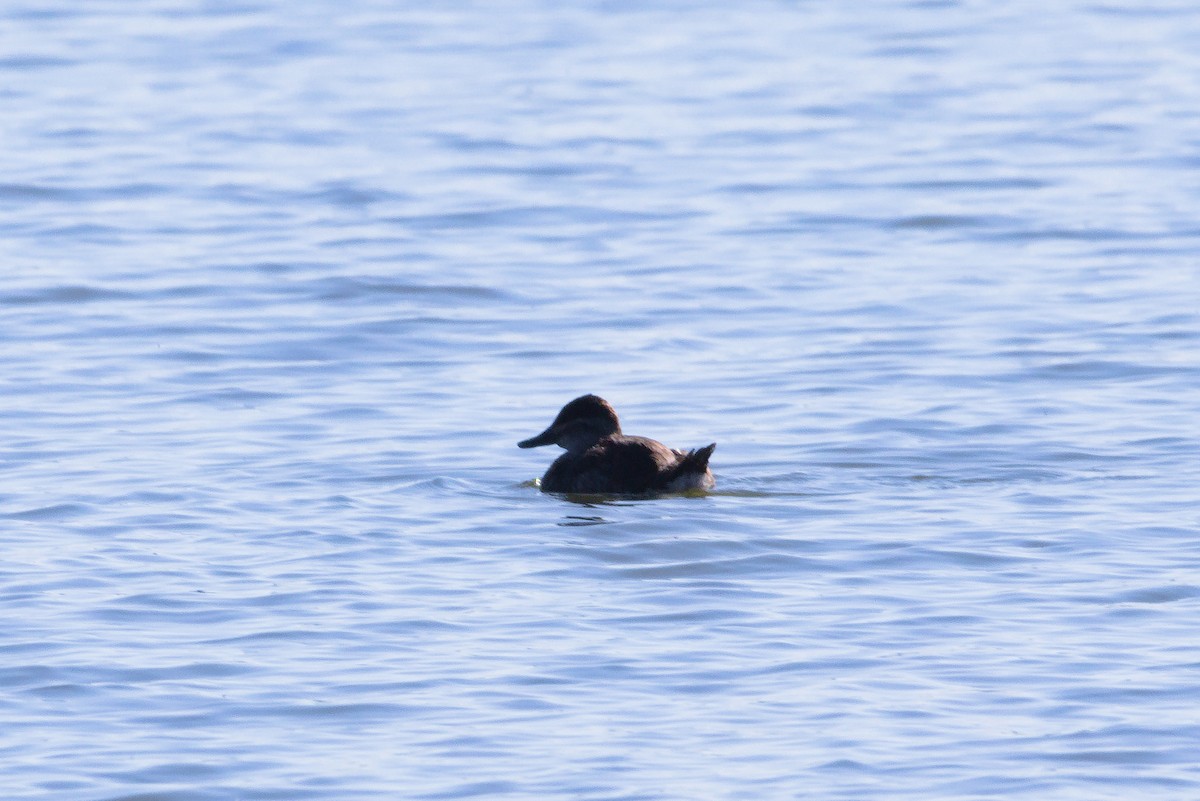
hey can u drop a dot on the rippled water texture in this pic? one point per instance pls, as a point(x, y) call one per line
point(284, 284)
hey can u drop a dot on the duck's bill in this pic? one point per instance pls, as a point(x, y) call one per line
point(544, 438)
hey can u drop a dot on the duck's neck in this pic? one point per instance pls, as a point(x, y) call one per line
point(579, 438)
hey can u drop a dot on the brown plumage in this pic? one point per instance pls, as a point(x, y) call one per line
point(602, 460)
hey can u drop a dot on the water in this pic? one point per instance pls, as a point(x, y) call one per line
point(285, 284)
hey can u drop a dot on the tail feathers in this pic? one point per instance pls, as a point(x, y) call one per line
point(691, 471)
point(696, 461)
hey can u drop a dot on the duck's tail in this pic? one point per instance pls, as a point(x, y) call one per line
point(691, 471)
point(697, 461)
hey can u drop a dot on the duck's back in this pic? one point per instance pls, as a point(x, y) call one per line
point(620, 465)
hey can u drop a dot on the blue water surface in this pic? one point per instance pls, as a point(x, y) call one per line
point(285, 283)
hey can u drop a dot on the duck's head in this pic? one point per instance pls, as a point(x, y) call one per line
point(581, 423)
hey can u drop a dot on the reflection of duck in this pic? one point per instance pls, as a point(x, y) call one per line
point(600, 459)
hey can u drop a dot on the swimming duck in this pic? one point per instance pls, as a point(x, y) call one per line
point(602, 460)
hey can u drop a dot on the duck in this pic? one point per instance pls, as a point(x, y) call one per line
point(601, 460)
